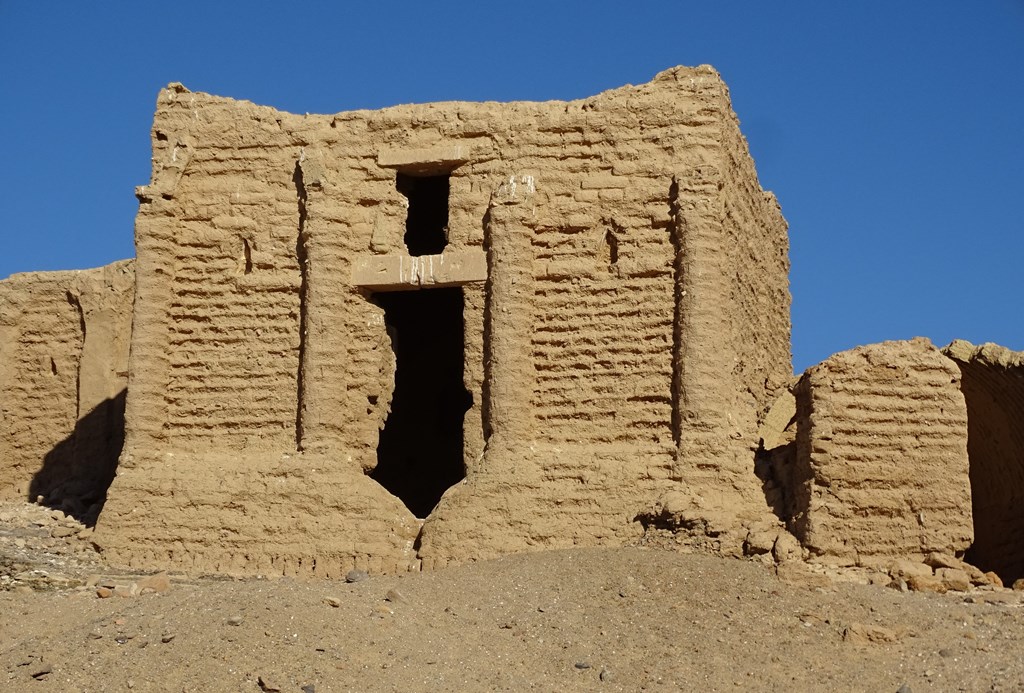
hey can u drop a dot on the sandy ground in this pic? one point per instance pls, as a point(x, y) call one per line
point(581, 620)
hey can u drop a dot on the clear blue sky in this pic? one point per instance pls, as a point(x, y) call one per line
point(892, 132)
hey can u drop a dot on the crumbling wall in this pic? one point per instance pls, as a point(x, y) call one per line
point(992, 380)
point(64, 340)
point(733, 330)
point(600, 246)
point(214, 422)
point(881, 467)
point(633, 394)
point(755, 236)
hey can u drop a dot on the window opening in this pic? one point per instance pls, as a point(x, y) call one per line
point(426, 226)
point(419, 454)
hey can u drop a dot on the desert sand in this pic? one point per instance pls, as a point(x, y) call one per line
point(619, 619)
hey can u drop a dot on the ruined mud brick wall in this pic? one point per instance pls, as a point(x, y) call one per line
point(992, 379)
point(625, 314)
point(881, 466)
point(64, 340)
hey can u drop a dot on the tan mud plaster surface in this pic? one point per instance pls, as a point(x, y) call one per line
point(64, 340)
point(881, 465)
point(621, 282)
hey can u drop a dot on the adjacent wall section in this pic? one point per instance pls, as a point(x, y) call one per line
point(881, 466)
point(993, 385)
point(64, 340)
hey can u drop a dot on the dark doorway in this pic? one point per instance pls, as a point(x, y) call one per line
point(419, 455)
point(426, 226)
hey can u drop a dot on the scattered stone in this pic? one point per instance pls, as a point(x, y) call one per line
point(333, 601)
point(267, 686)
point(121, 638)
point(995, 598)
point(903, 568)
point(903, 689)
point(605, 675)
point(41, 671)
point(235, 621)
point(356, 576)
point(926, 583)
point(861, 634)
point(308, 688)
point(1018, 585)
point(126, 590)
point(945, 653)
point(759, 542)
point(104, 592)
point(798, 574)
point(994, 579)
point(879, 578)
point(943, 560)
point(95, 635)
point(954, 579)
point(787, 548)
point(394, 596)
point(155, 583)
point(582, 665)
point(167, 637)
point(976, 576)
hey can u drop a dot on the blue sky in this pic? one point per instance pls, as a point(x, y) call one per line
point(892, 132)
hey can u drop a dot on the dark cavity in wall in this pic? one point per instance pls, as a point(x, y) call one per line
point(302, 258)
point(676, 233)
point(419, 455)
point(426, 226)
point(995, 446)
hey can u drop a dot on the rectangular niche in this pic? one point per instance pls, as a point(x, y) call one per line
point(426, 225)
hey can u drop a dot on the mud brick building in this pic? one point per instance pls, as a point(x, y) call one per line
point(443, 332)
point(398, 339)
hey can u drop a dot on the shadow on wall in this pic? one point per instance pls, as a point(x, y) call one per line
point(77, 472)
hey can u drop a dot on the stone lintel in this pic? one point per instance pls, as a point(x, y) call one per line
point(403, 272)
point(432, 160)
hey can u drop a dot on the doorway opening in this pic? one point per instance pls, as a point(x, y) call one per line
point(426, 226)
point(419, 453)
